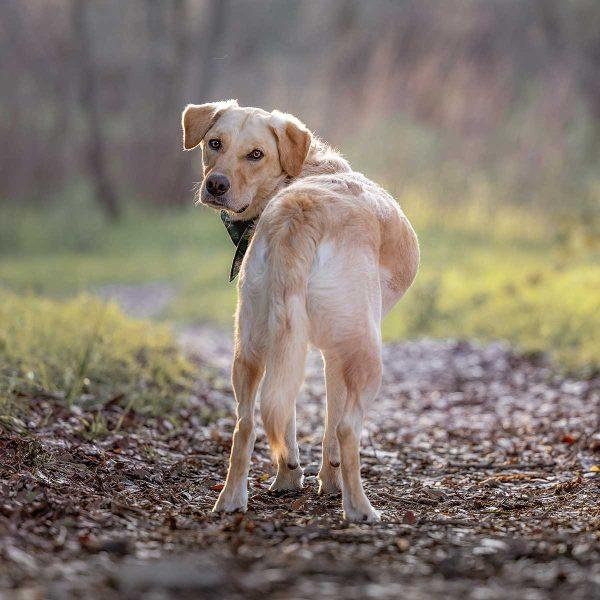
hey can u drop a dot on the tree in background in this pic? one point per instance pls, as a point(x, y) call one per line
point(94, 146)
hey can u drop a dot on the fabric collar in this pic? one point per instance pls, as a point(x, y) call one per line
point(240, 233)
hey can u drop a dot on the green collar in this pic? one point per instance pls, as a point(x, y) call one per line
point(240, 233)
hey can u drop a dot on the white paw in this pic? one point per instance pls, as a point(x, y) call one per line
point(330, 481)
point(366, 514)
point(228, 502)
point(288, 479)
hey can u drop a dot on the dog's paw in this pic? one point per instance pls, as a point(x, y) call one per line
point(364, 513)
point(288, 479)
point(330, 481)
point(228, 503)
point(372, 516)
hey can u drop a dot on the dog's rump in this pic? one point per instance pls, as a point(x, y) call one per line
point(353, 216)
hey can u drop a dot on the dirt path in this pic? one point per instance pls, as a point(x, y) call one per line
point(141, 301)
point(483, 464)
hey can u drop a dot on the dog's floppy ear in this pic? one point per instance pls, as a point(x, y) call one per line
point(293, 141)
point(197, 119)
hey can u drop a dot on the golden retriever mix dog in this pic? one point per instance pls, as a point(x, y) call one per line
point(330, 253)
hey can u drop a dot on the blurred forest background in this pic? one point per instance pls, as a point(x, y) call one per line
point(482, 117)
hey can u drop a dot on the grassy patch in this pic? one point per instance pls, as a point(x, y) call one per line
point(508, 274)
point(488, 270)
point(87, 353)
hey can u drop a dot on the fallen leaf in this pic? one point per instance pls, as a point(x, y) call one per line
point(409, 517)
point(299, 503)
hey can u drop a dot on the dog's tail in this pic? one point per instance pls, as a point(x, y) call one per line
point(292, 233)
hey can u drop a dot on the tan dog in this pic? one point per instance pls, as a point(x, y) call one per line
point(331, 254)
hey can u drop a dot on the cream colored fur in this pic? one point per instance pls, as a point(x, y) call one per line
point(331, 255)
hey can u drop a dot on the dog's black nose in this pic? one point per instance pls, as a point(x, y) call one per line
point(217, 185)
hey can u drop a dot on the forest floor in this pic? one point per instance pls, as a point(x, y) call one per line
point(485, 466)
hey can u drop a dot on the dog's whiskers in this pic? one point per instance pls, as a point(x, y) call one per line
point(196, 189)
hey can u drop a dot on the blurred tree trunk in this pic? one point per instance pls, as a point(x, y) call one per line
point(215, 29)
point(169, 52)
point(181, 40)
point(179, 16)
point(346, 70)
point(95, 148)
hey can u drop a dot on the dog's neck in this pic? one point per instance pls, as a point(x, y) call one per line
point(320, 160)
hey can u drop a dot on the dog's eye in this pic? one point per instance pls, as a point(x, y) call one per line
point(256, 154)
point(215, 144)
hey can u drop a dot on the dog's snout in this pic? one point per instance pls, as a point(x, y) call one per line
point(217, 185)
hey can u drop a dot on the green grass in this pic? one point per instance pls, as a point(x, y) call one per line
point(488, 270)
point(504, 273)
point(85, 352)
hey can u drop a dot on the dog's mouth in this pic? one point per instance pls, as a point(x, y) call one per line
point(223, 206)
point(214, 203)
point(220, 203)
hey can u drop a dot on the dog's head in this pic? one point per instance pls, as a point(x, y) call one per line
point(247, 153)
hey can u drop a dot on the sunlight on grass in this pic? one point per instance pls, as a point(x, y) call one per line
point(83, 351)
point(503, 273)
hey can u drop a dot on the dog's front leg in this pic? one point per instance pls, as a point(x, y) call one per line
point(246, 375)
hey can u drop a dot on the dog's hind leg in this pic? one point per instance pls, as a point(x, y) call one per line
point(278, 408)
point(286, 359)
point(363, 378)
point(289, 472)
point(330, 481)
